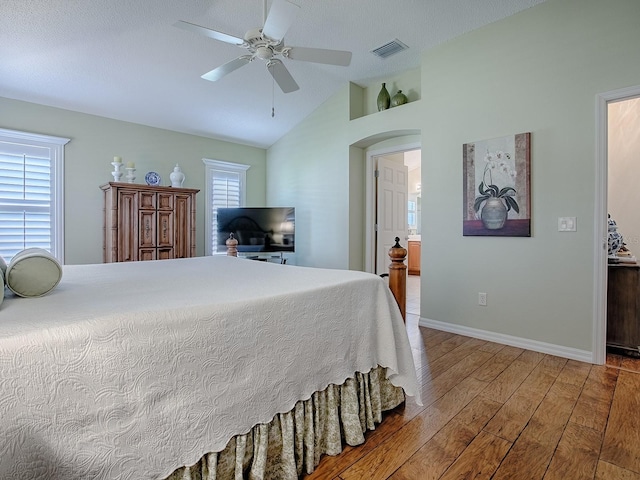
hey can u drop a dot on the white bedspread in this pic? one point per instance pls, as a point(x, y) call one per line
point(131, 370)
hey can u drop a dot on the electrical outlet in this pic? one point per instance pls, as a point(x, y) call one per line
point(482, 299)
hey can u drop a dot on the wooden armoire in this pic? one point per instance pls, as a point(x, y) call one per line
point(142, 222)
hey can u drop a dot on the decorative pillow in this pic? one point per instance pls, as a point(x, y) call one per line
point(3, 271)
point(33, 272)
point(1, 286)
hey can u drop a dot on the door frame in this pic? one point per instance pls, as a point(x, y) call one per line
point(370, 198)
point(599, 329)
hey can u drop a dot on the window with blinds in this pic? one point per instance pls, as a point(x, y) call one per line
point(31, 205)
point(225, 187)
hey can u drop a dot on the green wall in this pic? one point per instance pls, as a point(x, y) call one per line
point(94, 143)
point(538, 71)
point(309, 170)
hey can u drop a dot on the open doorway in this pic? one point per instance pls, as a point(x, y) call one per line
point(600, 301)
point(623, 270)
point(395, 197)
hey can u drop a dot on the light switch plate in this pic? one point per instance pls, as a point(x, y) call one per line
point(567, 224)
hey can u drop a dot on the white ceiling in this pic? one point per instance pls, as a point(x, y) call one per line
point(124, 59)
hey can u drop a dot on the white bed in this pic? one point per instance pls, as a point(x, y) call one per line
point(133, 370)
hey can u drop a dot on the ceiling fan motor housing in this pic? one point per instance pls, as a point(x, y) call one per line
point(260, 45)
point(254, 36)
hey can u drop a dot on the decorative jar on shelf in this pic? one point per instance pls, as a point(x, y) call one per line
point(399, 99)
point(384, 99)
point(176, 177)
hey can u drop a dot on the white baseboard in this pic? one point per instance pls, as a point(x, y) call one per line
point(536, 346)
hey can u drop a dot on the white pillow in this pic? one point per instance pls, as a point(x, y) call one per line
point(3, 265)
point(33, 272)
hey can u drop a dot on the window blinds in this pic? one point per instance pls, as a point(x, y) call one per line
point(25, 198)
point(225, 192)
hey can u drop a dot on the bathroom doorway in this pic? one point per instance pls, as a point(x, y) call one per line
point(377, 260)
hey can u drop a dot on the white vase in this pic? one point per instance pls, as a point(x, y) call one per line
point(176, 177)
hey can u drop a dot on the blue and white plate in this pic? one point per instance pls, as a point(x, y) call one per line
point(152, 178)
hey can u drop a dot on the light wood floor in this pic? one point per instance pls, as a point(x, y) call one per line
point(498, 412)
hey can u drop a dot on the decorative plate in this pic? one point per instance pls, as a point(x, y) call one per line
point(152, 178)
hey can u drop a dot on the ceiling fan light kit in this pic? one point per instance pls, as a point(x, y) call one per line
point(267, 44)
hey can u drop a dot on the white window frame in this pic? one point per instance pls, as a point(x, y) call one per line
point(56, 147)
point(219, 165)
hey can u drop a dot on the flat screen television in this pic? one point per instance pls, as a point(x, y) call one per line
point(257, 229)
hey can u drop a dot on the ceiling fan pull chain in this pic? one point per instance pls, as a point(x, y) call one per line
point(273, 97)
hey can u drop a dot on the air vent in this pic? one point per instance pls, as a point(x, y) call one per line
point(388, 49)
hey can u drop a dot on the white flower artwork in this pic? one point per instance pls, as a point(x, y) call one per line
point(496, 186)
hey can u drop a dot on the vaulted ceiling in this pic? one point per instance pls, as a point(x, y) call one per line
point(125, 59)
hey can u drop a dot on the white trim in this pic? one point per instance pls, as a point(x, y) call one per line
point(57, 165)
point(35, 138)
point(56, 144)
point(536, 346)
point(599, 327)
point(370, 198)
point(209, 165)
point(222, 165)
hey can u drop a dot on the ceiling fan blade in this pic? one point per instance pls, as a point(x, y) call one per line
point(281, 16)
point(223, 37)
point(282, 76)
point(319, 55)
point(217, 73)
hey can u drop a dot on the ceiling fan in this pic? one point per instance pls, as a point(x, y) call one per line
point(267, 44)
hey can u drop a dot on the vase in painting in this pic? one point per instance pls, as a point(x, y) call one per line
point(494, 213)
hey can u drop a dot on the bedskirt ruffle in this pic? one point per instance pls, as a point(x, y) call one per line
point(293, 442)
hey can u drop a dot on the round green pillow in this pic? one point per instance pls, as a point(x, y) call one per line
point(33, 272)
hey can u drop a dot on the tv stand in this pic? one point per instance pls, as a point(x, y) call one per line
point(274, 257)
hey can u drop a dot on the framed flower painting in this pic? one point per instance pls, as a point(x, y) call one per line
point(497, 186)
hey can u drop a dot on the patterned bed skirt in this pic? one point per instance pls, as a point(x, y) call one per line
point(293, 442)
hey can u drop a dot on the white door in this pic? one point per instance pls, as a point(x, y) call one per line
point(392, 193)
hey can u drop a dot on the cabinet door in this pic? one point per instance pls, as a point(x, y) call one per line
point(147, 254)
point(623, 307)
point(147, 227)
point(148, 200)
point(165, 253)
point(127, 226)
point(165, 228)
point(183, 226)
point(165, 201)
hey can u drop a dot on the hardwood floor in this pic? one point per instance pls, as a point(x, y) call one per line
point(498, 412)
